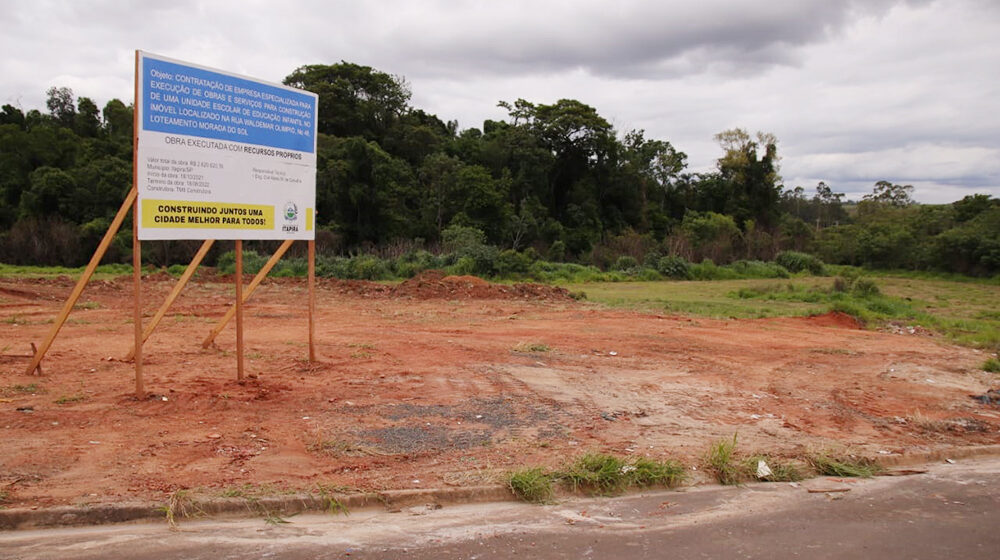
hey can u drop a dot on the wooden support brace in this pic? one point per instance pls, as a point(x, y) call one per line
point(82, 282)
point(160, 313)
point(247, 292)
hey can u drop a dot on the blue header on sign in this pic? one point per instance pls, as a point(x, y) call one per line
point(179, 99)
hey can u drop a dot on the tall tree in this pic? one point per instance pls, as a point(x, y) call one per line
point(886, 192)
point(749, 168)
point(61, 106)
point(354, 100)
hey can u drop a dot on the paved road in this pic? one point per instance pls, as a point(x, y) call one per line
point(953, 511)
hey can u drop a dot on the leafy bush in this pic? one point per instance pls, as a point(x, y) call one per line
point(252, 262)
point(794, 262)
point(510, 262)
point(674, 267)
point(557, 251)
point(625, 263)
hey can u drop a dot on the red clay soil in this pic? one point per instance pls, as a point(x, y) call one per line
point(441, 381)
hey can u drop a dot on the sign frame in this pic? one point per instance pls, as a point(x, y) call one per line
point(220, 155)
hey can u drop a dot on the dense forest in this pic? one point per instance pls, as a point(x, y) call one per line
point(552, 181)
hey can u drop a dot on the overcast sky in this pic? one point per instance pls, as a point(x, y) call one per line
point(855, 91)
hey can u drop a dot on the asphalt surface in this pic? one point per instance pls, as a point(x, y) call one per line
point(951, 511)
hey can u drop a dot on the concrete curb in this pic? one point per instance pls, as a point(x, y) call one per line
point(392, 500)
point(99, 514)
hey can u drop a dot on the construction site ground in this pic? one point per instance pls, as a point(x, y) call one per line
point(441, 382)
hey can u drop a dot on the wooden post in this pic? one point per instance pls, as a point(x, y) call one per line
point(82, 282)
point(239, 310)
point(162, 311)
point(140, 390)
point(312, 300)
point(249, 292)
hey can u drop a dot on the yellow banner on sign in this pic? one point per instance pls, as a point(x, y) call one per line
point(207, 215)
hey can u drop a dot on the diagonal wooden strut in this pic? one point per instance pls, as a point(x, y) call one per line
point(247, 292)
point(95, 260)
point(160, 313)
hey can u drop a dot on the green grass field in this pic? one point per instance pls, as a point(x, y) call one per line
point(966, 311)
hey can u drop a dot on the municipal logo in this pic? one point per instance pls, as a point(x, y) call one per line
point(291, 212)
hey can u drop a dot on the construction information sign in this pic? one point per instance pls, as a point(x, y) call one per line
point(222, 156)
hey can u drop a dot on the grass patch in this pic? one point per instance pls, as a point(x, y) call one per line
point(962, 309)
point(720, 462)
point(531, 347)
point(648, 472)
point(29, 389)
point(991, 365)
point(531, 485)
point(68, 399)
point(780, 471)
point(845, 466)
point(723, 462)
point(103, 272)
point(597, 474)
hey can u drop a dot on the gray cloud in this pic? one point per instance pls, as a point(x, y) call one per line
point(856, 91)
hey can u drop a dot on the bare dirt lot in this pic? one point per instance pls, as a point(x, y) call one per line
point(441, 382)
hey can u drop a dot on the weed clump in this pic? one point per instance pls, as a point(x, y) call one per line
point(991, 365)
point(719, 461)
point(531, 485)
point(596, 473)
point(531, 347)
point(722, 461)
point(845, 466)
point(603, 474)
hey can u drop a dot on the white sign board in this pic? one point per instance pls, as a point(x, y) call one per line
point(222, 156)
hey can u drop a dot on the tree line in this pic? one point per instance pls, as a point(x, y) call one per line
point(554, 179)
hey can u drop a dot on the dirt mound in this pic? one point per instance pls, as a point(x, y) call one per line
point(433, 284)
point(834, 319)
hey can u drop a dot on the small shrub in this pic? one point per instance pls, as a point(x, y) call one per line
point(531, 485)
point(651, 259)
point(845, 466)
point(252, 262)
point(794, 261)
point(176, 270)
point(674, 267)
point(865, 287)
point(625, 263)
point(510, 262)
point(557, 251)
point(992, 365)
